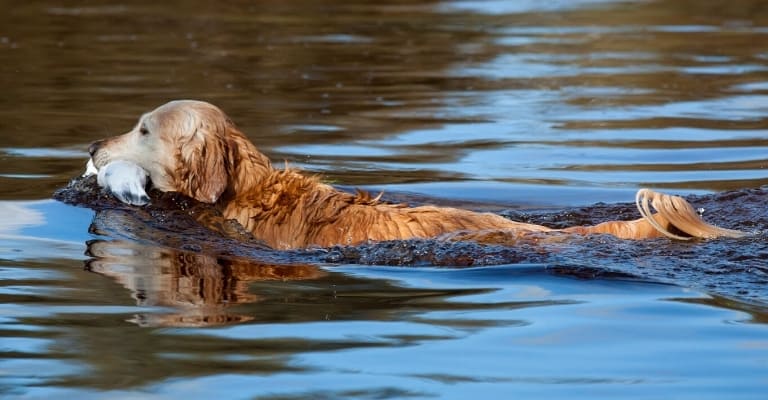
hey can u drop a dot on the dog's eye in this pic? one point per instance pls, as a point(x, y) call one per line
point(143, 130)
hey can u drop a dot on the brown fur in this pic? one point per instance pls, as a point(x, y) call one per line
point(193, 148)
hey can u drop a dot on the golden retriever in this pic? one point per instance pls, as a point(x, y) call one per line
point(193, 148)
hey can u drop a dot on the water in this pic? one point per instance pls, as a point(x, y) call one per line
point(536, 110)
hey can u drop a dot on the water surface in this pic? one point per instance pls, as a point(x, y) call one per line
point(519, 107)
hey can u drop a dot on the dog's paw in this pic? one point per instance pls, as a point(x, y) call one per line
point(126, 181)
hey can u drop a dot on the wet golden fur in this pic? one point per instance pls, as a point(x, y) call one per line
point(193, 148)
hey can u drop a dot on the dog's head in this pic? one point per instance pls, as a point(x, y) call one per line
point(185, 146)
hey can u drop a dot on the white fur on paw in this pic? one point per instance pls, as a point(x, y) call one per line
point(125, 180)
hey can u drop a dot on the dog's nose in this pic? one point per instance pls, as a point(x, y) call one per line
point(94, 147)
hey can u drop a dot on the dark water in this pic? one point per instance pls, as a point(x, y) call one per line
point(537, 110)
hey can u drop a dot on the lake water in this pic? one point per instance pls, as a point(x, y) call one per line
point(537, 110)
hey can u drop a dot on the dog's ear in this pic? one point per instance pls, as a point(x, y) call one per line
point(204, 160)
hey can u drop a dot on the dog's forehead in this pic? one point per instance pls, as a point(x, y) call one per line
point(144, 117)
point(170, 117)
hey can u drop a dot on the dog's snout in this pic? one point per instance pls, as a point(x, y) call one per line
point(94, 147)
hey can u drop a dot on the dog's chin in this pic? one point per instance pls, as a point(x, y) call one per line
point(123, 179)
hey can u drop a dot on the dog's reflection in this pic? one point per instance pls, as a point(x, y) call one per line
point(200, 289)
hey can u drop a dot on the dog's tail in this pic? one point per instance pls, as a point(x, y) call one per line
point(674, 218)
point(673, 212)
